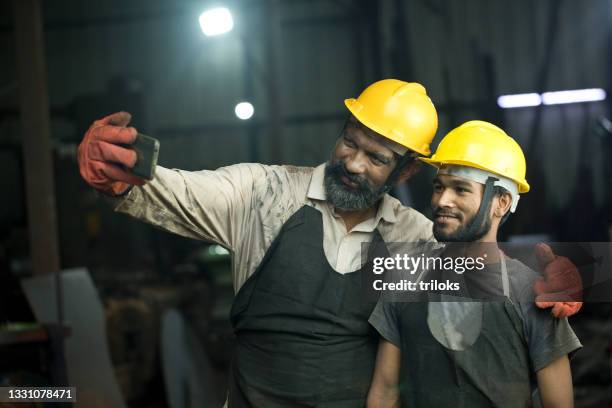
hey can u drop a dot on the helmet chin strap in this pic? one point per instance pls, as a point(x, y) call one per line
point(504, 218)
point(403, 160)
point(485, 207)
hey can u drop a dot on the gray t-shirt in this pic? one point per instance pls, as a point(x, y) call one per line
point(472, 333)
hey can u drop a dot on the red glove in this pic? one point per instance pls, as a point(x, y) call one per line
point(561, 286)
point(102, 162)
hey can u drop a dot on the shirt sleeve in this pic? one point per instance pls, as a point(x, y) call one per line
point(548, 337)
point(215, 206)
point(384, 319)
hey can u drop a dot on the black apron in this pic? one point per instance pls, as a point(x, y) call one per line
point(492, 370)
point(303, 338)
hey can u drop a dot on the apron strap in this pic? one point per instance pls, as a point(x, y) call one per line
point(504, 275)
point(508, 303)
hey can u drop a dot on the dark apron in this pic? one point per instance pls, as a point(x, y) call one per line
point(303, 338)
point(494, 370)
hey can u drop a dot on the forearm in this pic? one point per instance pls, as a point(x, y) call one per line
point(384, 391)
point(555, 384)
point(565, 399)
point(163, 202)
point(208, 205)
point(381, 396)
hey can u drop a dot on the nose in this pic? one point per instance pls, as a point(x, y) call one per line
point(444, 199)
point(356, 163)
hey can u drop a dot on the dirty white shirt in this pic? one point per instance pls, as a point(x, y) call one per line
point(243, 207)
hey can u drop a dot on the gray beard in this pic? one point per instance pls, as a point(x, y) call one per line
point(345, 198)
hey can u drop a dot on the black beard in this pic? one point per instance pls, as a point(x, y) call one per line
point(462, 234)
point(345, 198)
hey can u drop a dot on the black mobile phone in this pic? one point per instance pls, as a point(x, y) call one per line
point(147, 151)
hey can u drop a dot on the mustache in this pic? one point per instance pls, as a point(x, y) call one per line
point(339, 169)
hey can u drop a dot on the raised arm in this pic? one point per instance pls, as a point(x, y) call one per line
point(210, 205)
point(384, 391)
point(555, 384)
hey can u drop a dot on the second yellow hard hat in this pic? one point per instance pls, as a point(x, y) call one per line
point(484, 146)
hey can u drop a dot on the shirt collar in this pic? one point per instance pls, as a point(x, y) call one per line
point(316, 191)
point(386, 209)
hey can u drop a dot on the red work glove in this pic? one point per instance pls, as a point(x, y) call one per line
point(561, 285)
point(102, 161)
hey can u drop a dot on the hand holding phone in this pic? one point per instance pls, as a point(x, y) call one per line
point(106, 155)
point(147, 151)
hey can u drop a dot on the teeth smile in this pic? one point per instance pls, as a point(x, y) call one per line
point(445, 217)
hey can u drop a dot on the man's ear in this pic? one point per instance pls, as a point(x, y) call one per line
point(409, 171)
point(504, 201)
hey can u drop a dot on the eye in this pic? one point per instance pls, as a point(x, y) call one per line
point(348, 142)
point(437, 188)
point(376, 161)
point(462, 190)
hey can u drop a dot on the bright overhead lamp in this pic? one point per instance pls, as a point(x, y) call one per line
point(519, 100)
point(551, 98)
point(216, 21)
point(244, 110)
point(574, 96)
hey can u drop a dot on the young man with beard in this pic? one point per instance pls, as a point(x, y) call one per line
point(494, 347)
point(295, 234)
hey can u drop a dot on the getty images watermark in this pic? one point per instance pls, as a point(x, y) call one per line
point(414, 272)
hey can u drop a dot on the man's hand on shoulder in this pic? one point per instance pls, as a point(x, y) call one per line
point(560, 287)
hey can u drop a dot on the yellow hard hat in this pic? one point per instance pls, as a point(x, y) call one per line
point(484, 146)
point(400, 111)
